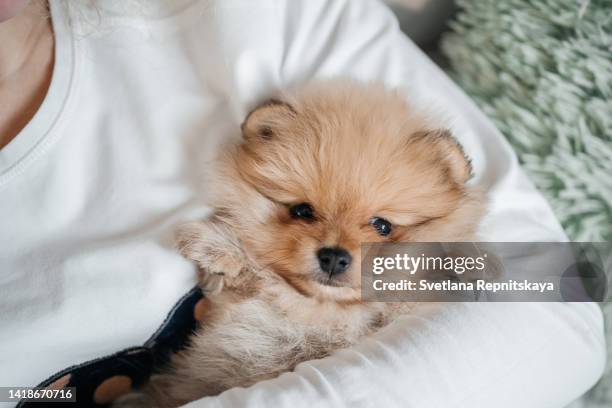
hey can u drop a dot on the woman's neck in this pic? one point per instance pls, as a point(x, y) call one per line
point(26, 65)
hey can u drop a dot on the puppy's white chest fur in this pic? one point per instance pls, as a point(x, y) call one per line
point(259, 337)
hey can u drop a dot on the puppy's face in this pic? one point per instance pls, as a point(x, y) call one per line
point(321, 172)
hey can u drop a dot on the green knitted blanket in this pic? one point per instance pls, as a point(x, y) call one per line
point(542, 70)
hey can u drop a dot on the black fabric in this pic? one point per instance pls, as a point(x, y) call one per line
point(138, 363)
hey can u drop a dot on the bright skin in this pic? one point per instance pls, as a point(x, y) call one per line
point(26, 63)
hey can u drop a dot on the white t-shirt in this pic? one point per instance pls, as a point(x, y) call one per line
point(142, 93)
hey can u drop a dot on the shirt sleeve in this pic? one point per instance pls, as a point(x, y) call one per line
point(443, 355)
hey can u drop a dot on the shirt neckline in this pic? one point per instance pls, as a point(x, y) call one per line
point(29, 141)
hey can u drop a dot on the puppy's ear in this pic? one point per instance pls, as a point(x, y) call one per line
point(266, 120)
point(442, 148)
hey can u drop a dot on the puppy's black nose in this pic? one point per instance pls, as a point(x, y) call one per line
point(334, 260)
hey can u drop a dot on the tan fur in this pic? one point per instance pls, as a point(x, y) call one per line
point(352, 151)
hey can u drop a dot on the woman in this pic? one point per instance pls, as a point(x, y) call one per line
point(109, 110)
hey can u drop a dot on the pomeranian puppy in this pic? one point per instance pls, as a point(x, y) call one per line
point(318, 172)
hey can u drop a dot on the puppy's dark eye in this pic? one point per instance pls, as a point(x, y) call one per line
point(383, 227)
point(303, 211)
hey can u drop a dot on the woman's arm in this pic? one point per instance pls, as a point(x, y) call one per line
point(444, 355)
point(449, 355)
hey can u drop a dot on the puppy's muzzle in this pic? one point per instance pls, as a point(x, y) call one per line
point(334, 260)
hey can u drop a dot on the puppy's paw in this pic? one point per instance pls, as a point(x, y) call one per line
point(218, 272)
point(193, 240)
point(216, 252)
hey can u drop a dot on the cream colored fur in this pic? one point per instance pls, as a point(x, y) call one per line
point(353, 151)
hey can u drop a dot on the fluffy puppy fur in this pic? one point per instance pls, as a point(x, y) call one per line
point(332, 165)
